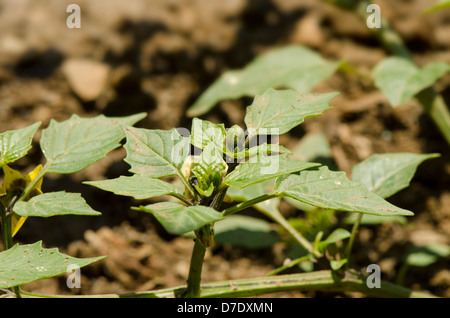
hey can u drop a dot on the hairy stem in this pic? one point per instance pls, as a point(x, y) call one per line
point(315, 281)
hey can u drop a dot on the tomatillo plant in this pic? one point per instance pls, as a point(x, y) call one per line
point(68, 147)
point(247, 161)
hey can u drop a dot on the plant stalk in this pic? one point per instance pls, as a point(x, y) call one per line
point(315, 281)
point(181, 198)
point(277, 218)
point(7, 237)
point(195, 270)
point(33, 182)
point(246, 204)
point(348, 249)
point(6, 228)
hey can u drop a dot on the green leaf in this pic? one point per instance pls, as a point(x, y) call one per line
point(76, 143)
point(178, 219)
point(204, 132)
point(295, 67)
point(245, 231)
point(235, 141)
point(136, 186)
point(275, 112)
point(23, 264)
point(386, 174)
point(400, 79)
point(443, 4)
point(332, 190)
point(336, 236)
point(14, 144)
point(263, 168)
point(422, 256)
point(314, 147)
point(263, 149)
point(54, 203)
point(337, 264)
point(369, 219)
point(155, 153)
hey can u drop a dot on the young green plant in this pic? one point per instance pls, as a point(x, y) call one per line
point(68, 147)
point(239, 160)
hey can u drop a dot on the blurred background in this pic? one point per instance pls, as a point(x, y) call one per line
point(158, 56)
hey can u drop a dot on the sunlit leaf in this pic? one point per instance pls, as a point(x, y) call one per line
point(422, 256)
point(400, 79)
point(76, 143)
point(23, 264)
point(275, 112)
point(178, 219)
point(155, 153)
point(15, 144)
point(386, 174)
point(332, 190)
point(264, 168)
point(336, 236)
point(136, 186)
point(54, 203)
point(204, 132)
point(295, 67)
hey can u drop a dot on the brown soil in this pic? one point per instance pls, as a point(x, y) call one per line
point(159, 56)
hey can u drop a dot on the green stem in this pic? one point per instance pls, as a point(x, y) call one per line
point(188, 186)
point(198, 253)
point(277, 218)
point(315, 281)
point(301, 240)
point(436, 108)
point(33, 182)
point(246, 204)
point(218, 199)
point(291, 264)
point(181, 198)
point(401, 274)
point(6, 228)
point(348, 249)
point(195, 270)
point(251, 287)
point(7, 237)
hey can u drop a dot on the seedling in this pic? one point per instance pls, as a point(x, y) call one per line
point(256, 173)
point(68, 147)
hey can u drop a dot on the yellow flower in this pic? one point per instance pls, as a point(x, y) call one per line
point(14, 183)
